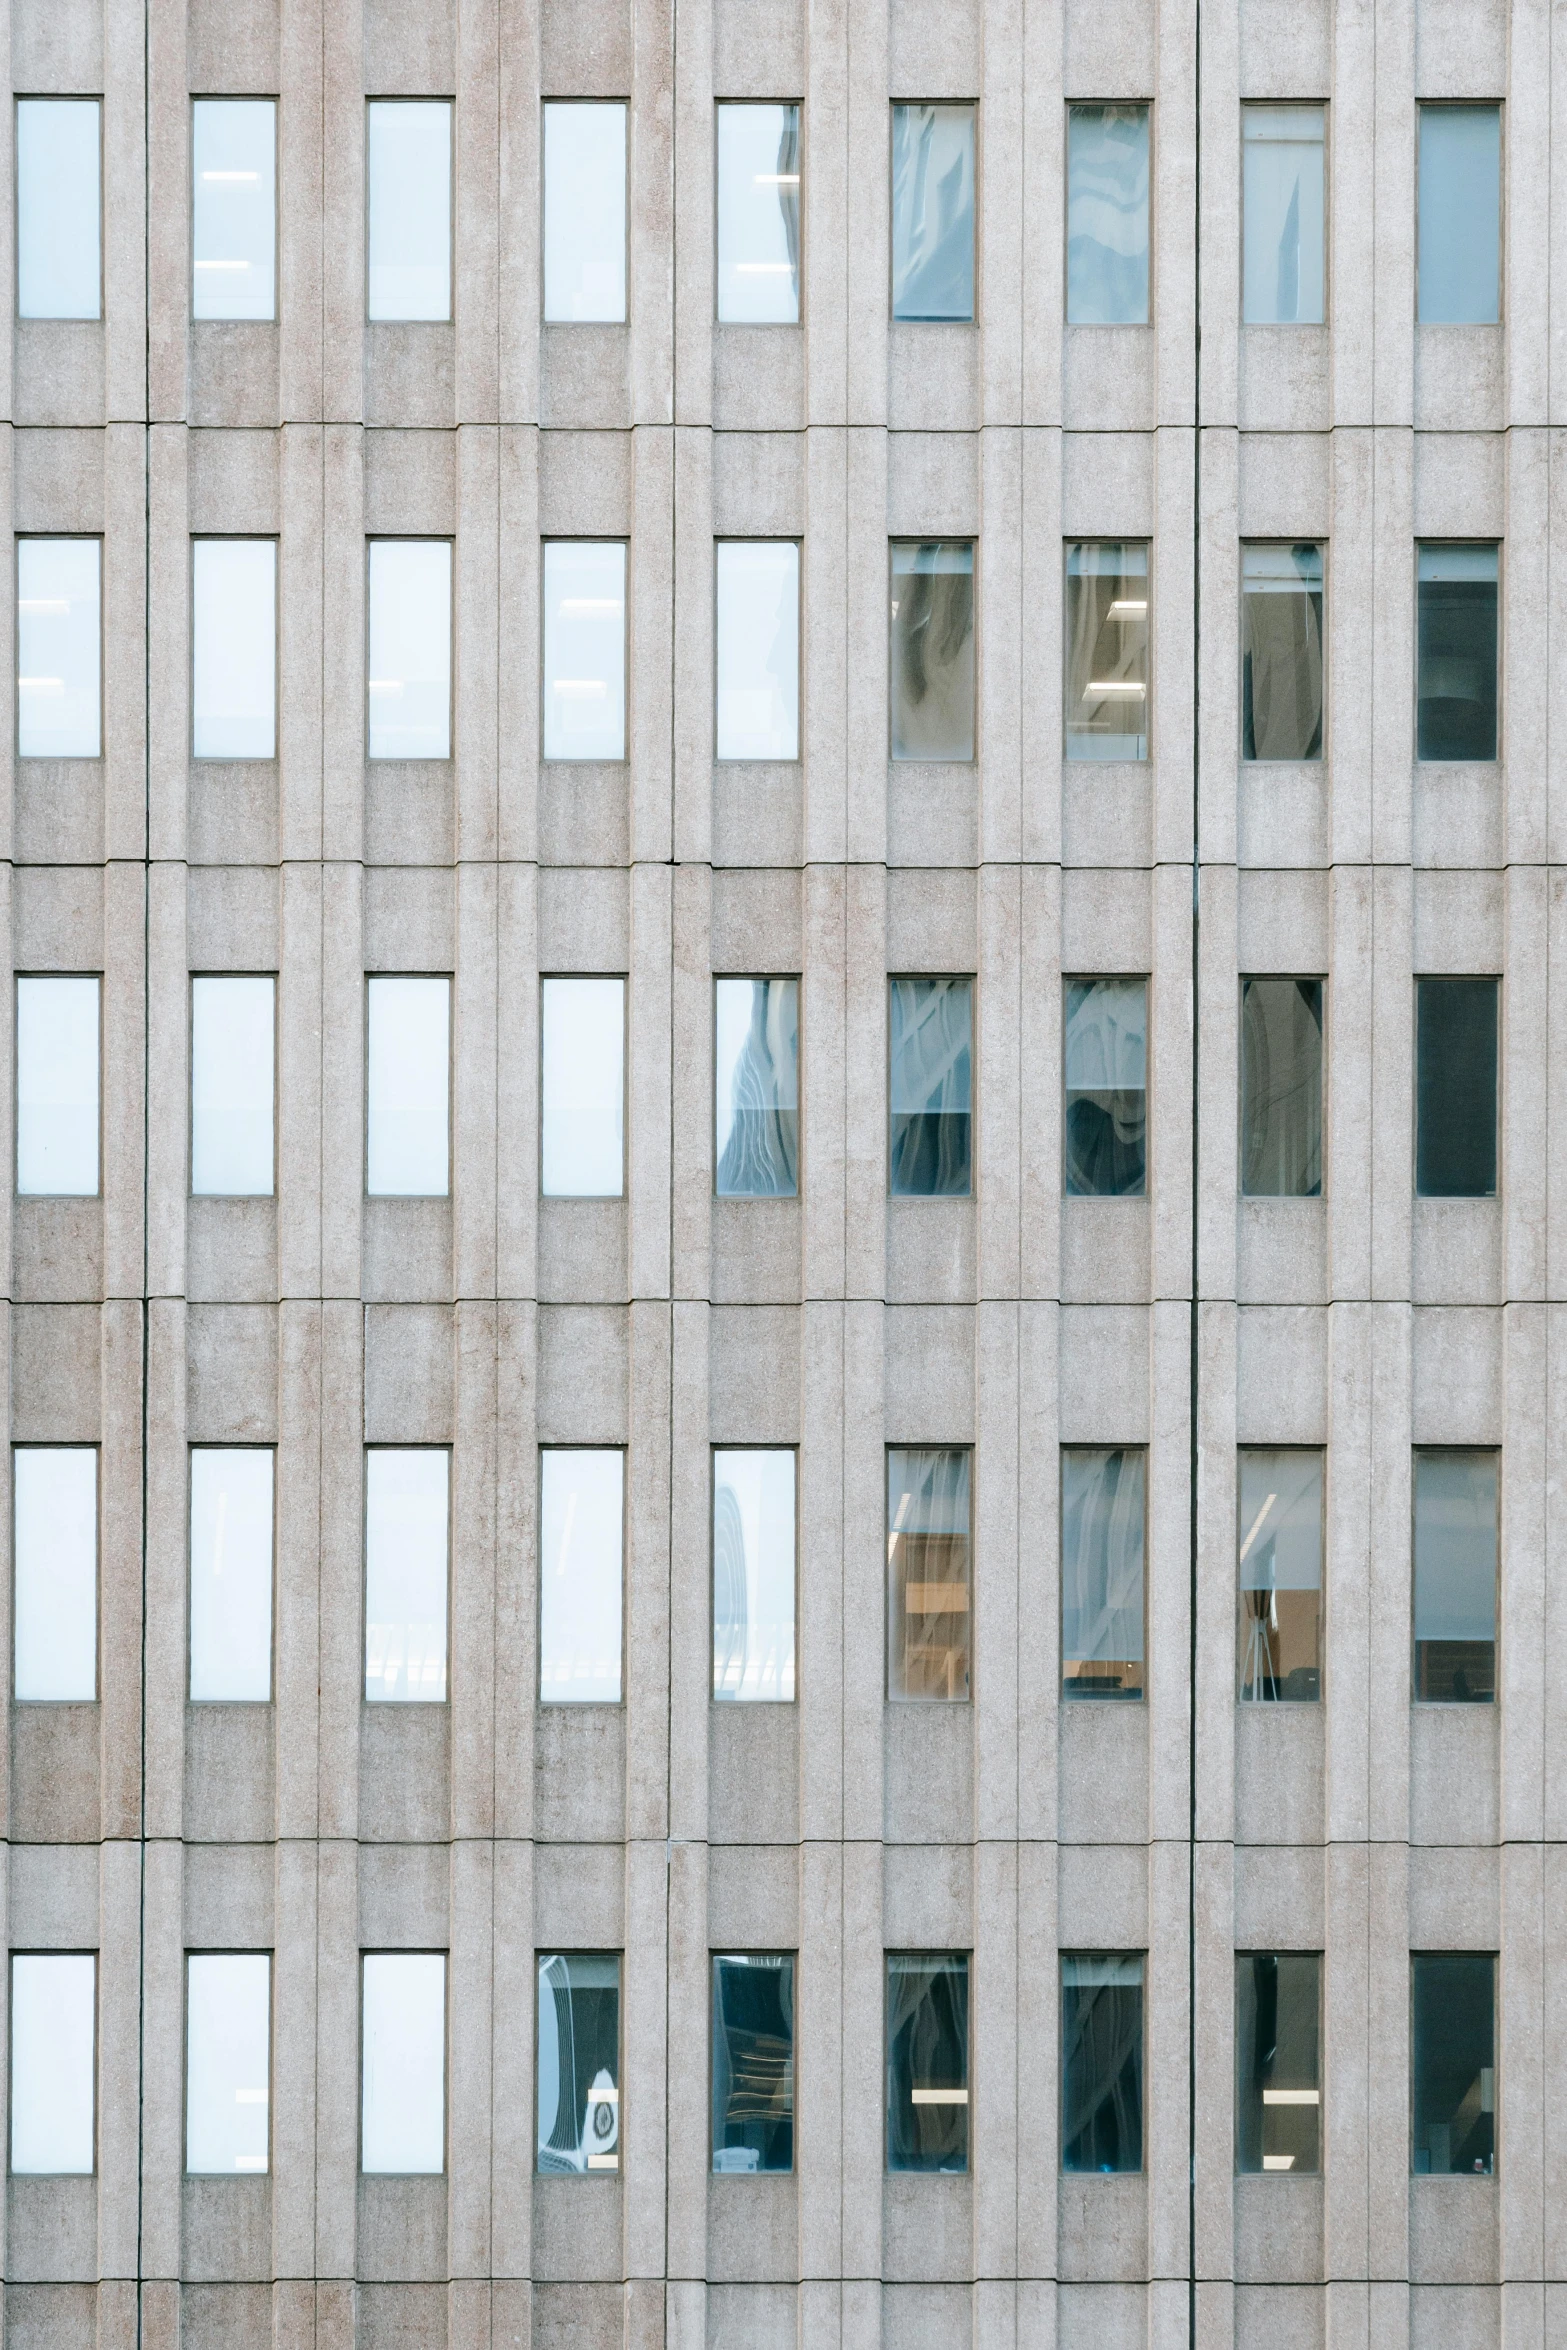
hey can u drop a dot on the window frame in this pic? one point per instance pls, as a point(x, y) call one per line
point(423, 538)
point(64, 1444)
point(761, 539)
point(401, 1704)
point(1146, 762)
point(768, 979)
point(1494, 326)
point(17, 1193)
point(1324, 325)
point(418, 98)
point(272, 1660)
point(562, 1707)
point(800, 112)
point(577, 1198)
point(1496, 979)
point(949, 1956)
point(1078, 1952)
point(248, 538)
point(590, 98)
point(209, 1950)
point(33, 1951)
point(601, 538)
point(791, 1958)
point(422, 1950)
point(1498, 756)
point(976, 756)
point(1323, 547)
point(51, 538)
point(1243, 980)
point(891, 1696)
point(272, 98)
point(543, 1953)
point(1447, 1705)
point(368, 1196)
point(730, 1704)
point(1318, 1452)
point(926, 1199)
point(1144, 980)
point(975, 317)
point(1130, 326)
point(68, 97)
point(1494, 1957)
point(1251, 1951)
point(191, 1193)
point(1066, 1692)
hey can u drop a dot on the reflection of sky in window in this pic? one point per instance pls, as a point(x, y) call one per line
point(580, 1580)
point(753, 1575)
point(405, 1575)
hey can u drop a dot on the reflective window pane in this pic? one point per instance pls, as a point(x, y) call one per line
point(54, 2010)
point(408, 1088)
point(58, 231)
point(1107, 215)
point(932, 212)
point(928, 1581)
point(234, 208)
point(1279, 1530)
point(759, 213)
point(1106, 649)
point(927, 2061)
point(1455, 1577)
point(234, 649)
point(231, 1575)
point(1278, 2061)
point(579, 2063)
point(228, 2018)
point(1101, 2062)
point(931, 1033)
point(581, 1575)
point(1455, 1087)
point(1453, 2062)
point(231, 1051)
point(1103, 1548)
point(585, 649)
point(58, 668)
point(410, 193)
point(931, 657)
point(1456, 640)
point(1460, 215)
point(584, 211)
point(407, 1522)
point(1282, 192)
point(410, 649)
point(57, 1087)
point(756, 1079)
point(758, 647)
point(1106, 1062)
point(402, 2125)
point(1281, 652)
point(753, 1575)
point(753, 2064)
point(1281, 1088)
point(582, 1127)
point(56, 1567)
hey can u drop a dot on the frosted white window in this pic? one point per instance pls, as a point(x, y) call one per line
point(759, 213)
point(231, 1575)
point(758, 648)
point(1460, 215)
point(1282, 180)
point(58, 669)
point(58, 233)
point(933, 212)
point(234, 209)
point(584, 649)
point(410, 208)
point(56, 1554)
point(408, 1088)
point(231, 1047)
point(753, 1575)
point(585, 212)
point(410, 649)
point(584, 1089)
point(57, 1087)
point(406, 1524)
point(54, 2007)
point(581, 1534)
point(403, 2111)
point(234, 649)
point(228, 2018)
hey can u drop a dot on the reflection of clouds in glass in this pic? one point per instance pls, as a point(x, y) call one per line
point(931, 1086)
point(933, 212)
point(756, 1065)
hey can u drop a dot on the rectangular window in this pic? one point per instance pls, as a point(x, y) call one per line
point(1281, 652)
point(1106, 649)
point(407, 1524)
point(1453, 2053)
point(585, 211)
point(58, 666)
point(1106, 1068)
point(1101, 2062)
point(1282, 204)
point(579, 2062)
point(585, 649)
point(753, 2064)
point(583, 1089)
point(54, 2018)
point(756, 1088)
point(402, 2125)
point(56, 1567)
point(1456, 629)
point(59, 269)
point(410, 228)
point(1107, 215)
point(927, 2060)
point(231, 1087)
point(1456, 1024)
point(759, 214)
point(753, 1575)
point(57, 1023)
point(928, 1581)
point(1455, 1577)
point(758, 647)
point(410, 649)
point(581, 1574)
point(1460, 215)
point(234, 649)
point(1103, 1553)
point(228, 2031)
point(231, 1575)
point(1279, 1633)
point(933, 212)
point(931, 1036)
point(1281, 1088)
point(1278, 2062)
point(932, 650)
point(408, 1088)
point(234, 208)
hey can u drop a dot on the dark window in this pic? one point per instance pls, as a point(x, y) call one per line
point(1281, 1088)
point(1455, 1088)
point(1453, 2041)
point(930, 1142)
point(1102, 1561)
point(1455, 1577)
point(753, 2064)
point(1107, 1087)
point(1101, 2063)
point(1279, 1632)
point(1281, 652)
point(927, 2061)
point(1456, 691)
point(1278, 2078)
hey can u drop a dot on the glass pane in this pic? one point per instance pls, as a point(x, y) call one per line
point(234, 208)
point(933, 212)
point(408, 1088)
point(54, 2009)
point(58, 265)
point(56, 1532)
point(758, 644)
point(1455, 1088)
point(403, 2114)
point(1281, 1088)
point(231, 1032)
point(410, 170)
point(927, 2061)
point(1107, 1087)
point(584, 1089)
point(57, 657)
point(1281, 652)
point(1453, 2036)
point(927, 1573)
point(1106, 650)
point(753, 1575)
point(1457, 630)
point(1107, 216)
point(585, 649)
point(1278, 2079)
point(410, 649)
point(759, 213)
point(407, 1519)
point(1460, 215)
point(932, 650)
point(1281, 148)
point(756, 1077)
point(579, 2063)
point(753, 2064)
point(931, 1024)
point(1455, 1577)
point(584, 211)
point(581, 1578)
point(57, 1087)
point(1101, 2063)
point(228, 2014)
point(231, 1576)
point(1102, 1554)
point(234, 649)
point(1280, 1538)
